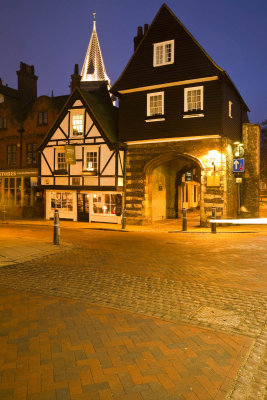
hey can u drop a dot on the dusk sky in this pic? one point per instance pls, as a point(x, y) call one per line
point(54, 35)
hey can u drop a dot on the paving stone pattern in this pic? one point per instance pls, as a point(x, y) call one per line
point(222, 309)
point(52, 349)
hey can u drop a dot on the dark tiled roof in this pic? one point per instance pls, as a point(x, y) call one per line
point(60, 101)
point(7, 91)
point(106, 115)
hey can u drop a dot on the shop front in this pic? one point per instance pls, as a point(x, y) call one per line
point(85, 206)
point(19, 193)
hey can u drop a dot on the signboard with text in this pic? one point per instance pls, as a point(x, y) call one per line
point(70, 154)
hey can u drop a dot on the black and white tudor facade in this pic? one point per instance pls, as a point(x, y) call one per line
point(81, 164)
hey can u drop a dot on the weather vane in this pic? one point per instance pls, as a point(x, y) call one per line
point(94, 14)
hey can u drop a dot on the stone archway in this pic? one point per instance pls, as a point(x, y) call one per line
point(165, 190)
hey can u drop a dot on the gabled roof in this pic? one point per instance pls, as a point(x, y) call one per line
point(125, 81)
point(100, 108)
point(93, 66)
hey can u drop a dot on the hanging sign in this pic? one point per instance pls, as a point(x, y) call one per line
point(70, 154)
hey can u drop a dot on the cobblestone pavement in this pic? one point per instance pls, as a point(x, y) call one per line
point(198, 302)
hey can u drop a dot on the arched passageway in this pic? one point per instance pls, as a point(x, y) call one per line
point(173, 182)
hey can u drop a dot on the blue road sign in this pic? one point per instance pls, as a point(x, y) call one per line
point(238, 165)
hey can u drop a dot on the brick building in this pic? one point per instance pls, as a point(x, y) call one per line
point(24, 121)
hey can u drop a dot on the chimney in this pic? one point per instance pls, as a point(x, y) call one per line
point(27, 83)
point(75, 78)
point(139, 37)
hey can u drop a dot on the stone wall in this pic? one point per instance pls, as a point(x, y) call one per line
point(143, 158)
point(250, 184)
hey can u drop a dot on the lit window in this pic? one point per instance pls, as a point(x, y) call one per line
point(155, 104)
point(77, 124)
point(230, 109)
point(104, 204)
point(193, 99)
point(42, 118)
point(62, 201)
point(91, 161)
point(3, 122)
point(163, 53)
point(61, 163)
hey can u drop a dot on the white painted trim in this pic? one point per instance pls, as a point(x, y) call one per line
point(163, 44)
point(148, 111)
point(193, 88)
point(170, 84)
point(155, 120)
point(181, 139)
point(193, 115)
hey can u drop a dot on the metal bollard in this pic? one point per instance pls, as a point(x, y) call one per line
point(56, 228)
point(184, 228)
point(123, 219)
point(213, 216)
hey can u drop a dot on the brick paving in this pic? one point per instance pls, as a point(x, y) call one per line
point(142, 321)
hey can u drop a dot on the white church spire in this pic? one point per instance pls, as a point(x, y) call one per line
point(93, 66)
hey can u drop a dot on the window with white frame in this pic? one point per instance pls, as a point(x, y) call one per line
point(163, 53)
point(62, 201)
point(91, 160)
point(193, 98)
point(61, 161)
point(230, 104)
point(77, 124)
point(104, 204)
point(155, 104)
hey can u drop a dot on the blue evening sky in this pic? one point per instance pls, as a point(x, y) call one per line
point(53, 35)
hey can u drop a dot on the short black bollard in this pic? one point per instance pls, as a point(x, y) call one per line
point(56, 227)
point(213, 216)
point(123, 219)
point(184, 228)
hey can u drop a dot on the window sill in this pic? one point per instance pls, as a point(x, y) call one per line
point(193, 115)
point(90, 173)
point(155, 118)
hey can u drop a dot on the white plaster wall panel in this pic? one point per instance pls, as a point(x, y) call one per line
point(76, 169)
point(120, 163)
point(88, 122)
point(100, 140)
point(61, 180)
point(49, 155)
point(90, 180)
point(107, 181)
point(94, 132)
point(89, 140)
point(47, 181)
point(59, 135)
point(77, 103)
point(64, 124)
point(78, 152)
point(105, 155)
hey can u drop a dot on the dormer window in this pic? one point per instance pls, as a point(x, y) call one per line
point(230, 109)
point(77, 124)
point(163, 53)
